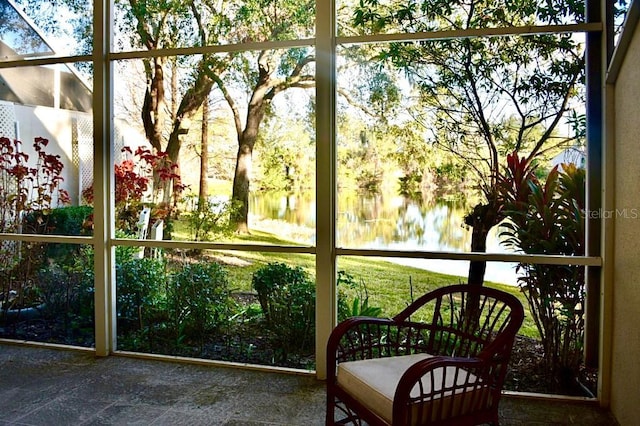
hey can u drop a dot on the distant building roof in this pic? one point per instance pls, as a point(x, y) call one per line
point(18, 36)
point(51, 86)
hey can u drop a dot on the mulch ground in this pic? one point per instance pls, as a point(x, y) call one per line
point(527, 373)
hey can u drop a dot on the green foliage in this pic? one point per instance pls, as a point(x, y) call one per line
point(208, 219)
point(286, 154)
point(548, 218)
point(199, 301)
point(449, 171)
point(359, 305)
point(174, 309)
point(70, 220)
point(363, 154)
point(141, 301)
point(282, 20)
point(410, 185)
point(66, 291)
point(370, 170)
point(370, 179)
point(140, 290)
point(287, 298)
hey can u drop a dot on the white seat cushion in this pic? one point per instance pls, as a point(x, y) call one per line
point(373, 383)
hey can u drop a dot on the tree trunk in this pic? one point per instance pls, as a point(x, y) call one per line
point(204, 157)
point(154, 102)
point(477, 268)
point(246, 142)
point(174, 89)
point(155, 109)
point(481, 220)
point(241, 182)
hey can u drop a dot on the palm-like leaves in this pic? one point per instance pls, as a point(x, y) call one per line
point(548, 218)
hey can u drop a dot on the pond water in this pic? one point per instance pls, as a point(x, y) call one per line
point(388, 221)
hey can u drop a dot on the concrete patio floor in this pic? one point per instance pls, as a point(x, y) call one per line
point(42, 386)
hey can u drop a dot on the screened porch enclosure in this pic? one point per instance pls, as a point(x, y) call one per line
point(226, 182)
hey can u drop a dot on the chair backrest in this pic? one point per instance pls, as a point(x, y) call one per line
point(462, 320)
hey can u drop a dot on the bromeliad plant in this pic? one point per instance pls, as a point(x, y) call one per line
point(548, 218)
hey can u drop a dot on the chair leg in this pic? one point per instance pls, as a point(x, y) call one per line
point(345, 415)
point(331, 410)
point(495, 421)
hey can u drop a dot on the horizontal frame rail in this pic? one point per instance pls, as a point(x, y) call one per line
point(288, 44)
point(444, 255)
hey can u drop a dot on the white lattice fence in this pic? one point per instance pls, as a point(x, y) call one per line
point(83, 131)
point(7, 120)
point(8, 128)
point(118, 144)
point(83, 151)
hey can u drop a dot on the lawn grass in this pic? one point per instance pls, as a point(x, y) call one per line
point(389, 286)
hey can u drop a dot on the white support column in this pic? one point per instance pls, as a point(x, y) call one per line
point(103, 182)
point(325, 180)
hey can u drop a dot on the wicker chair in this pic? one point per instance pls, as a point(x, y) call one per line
point(441, 361)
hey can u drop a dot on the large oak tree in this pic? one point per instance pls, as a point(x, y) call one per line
point(248, 82)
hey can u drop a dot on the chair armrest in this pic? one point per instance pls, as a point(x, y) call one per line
point(357, 338)
point(440, 377)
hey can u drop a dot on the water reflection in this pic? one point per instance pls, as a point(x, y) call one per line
point(375, 221)
point(381, 221)
point(297, 209)
point(389, 221)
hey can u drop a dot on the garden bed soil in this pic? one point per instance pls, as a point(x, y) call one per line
point(526, 373)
